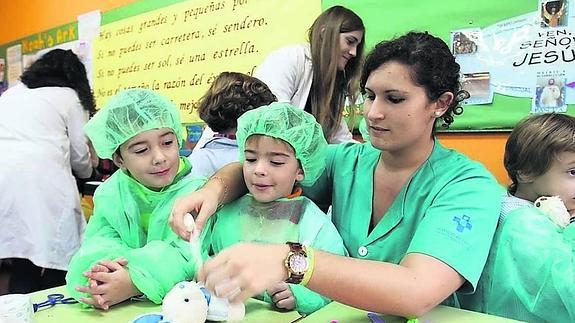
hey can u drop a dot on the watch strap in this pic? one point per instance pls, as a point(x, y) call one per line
point(310, 267)
point(296, 248)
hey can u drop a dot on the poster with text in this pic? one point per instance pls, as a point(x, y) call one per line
point(179, 50)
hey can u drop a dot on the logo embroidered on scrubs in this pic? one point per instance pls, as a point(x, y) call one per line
point(463, 222)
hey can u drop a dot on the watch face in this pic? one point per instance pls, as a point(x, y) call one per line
point(298, 264)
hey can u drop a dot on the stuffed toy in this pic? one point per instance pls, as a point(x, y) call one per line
point(189, 302)
point(555, 209)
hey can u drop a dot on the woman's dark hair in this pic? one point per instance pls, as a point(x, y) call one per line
point(229, 96)
point(431, 64)
point(61, 68)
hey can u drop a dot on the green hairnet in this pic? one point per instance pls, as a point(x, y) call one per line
point(292, 125)
point(128, 114)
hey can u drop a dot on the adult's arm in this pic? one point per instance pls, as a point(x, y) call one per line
point(424, 278)
point(282, 71)
point(79, 154)
point(226, 185)
point(409, 289)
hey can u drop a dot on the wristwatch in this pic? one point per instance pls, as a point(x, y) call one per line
point(296, 262)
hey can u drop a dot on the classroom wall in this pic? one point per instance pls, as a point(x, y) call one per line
point(23, 18)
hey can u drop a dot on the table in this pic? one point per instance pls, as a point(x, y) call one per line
point(256, 311)
point(444, 314)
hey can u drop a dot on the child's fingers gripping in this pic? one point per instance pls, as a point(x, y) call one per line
point(100, 268)
point(277, 287)
point(95, 303)
point(205, 211)
point(97, 297)
point(286, 303)
point(122, 261)
point(280, 296)
point(92, 290)
point(102, 278)
point(176, 220)
point(89, 301)
point(100, 300)
point(111, 265)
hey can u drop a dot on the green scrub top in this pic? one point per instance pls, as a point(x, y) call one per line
point(294, 219)
point(530, 272)
point(448, 209)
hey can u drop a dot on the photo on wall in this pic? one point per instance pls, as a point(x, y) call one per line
point(479, 87)
point(549, 92)
point(465, 41)
point(554, 13)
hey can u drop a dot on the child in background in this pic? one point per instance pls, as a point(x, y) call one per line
point(229, 96)
point(529, 275)
point(129, 249)
point(280, 146)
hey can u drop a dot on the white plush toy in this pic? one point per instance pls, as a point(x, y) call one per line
point(555, 209)
point(185, 303)
point(189, 302)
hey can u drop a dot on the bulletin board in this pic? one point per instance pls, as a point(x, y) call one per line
point(202, 38)
point(390, 18)
point(15, 56)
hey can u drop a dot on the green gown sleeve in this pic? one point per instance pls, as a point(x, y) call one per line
point(161, 264)
point(530, 275)
point(157, 257)
point(101, 241)
point(158, 266)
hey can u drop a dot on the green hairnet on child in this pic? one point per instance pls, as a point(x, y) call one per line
point(127, 114)
point(292, 125)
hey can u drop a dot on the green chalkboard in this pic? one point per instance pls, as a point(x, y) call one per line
point(385, 19)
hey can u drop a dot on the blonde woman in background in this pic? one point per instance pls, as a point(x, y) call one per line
point(319, 76)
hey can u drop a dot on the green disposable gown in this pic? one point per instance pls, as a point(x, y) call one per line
point(131, 221)
point(295, 219)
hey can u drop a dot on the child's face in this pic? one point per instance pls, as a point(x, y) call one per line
point(152, 157)
point(270, 168)
point(558, 180)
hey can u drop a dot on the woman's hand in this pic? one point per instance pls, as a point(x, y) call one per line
point(93, 155)
point(282, 296)
point(227, 184)
point(244, 270)
point(202, 203)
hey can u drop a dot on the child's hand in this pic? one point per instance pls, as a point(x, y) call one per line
point(109, 284)
point(99, 267)
point(282, 296)
point(95, 300)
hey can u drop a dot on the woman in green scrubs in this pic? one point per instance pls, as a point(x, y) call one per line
point(416, 218)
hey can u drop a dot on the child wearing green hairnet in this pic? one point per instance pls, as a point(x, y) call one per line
point(128, 249)
point(280, 146)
